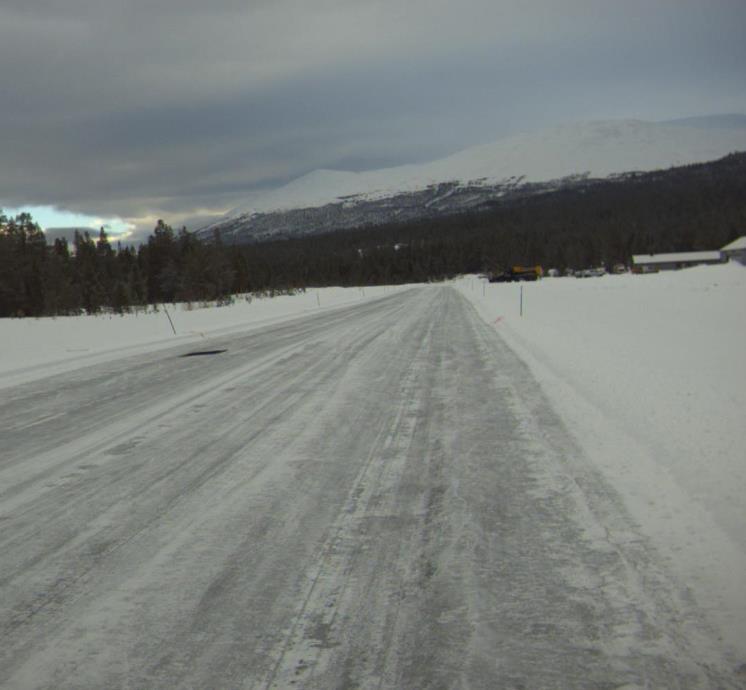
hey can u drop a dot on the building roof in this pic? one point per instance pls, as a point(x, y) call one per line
point(676, 257)
point(740, 243)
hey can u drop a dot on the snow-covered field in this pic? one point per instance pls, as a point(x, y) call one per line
point(648, 373)
point(37, 347)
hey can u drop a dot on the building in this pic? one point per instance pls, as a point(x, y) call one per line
point(649, 263)
point(736, 250)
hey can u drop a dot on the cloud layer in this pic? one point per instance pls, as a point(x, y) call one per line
point(175, 108)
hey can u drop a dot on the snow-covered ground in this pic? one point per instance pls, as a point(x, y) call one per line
point(647, 372)
point(38, 347)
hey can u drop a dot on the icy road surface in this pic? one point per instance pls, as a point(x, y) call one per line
point(375, 497)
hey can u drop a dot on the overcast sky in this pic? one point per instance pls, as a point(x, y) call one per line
point(146, 109)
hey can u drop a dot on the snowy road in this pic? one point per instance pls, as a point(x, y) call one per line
point(374, 497)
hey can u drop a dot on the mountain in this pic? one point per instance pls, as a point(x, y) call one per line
point(473, 179)
point(728, 121)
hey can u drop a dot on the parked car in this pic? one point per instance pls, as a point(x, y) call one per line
point(591, 272)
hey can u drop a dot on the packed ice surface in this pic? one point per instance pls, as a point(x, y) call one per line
point(646, 371)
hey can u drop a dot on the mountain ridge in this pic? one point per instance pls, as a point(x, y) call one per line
point(524, 164)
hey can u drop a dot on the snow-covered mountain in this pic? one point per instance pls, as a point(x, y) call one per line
point(527, 163)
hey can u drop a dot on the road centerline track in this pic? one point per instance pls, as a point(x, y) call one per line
point(376, 497)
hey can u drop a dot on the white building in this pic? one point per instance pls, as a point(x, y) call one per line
point(649, 263)
point(736, 250)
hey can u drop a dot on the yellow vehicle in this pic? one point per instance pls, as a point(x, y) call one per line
point(527, 272)
point(518, 273)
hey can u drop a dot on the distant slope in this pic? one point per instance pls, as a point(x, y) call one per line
point(326, 200)
point(727, 121)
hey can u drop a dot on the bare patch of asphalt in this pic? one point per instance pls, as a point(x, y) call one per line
point(203, 353)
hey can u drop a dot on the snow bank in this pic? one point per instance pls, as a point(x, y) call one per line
point(33, 348)
point(648, 374)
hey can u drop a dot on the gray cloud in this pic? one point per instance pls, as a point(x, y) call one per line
point(173, 108)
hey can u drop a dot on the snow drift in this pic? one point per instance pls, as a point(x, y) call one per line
point(647, 373)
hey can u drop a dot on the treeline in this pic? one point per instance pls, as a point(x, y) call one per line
point(91, 276)
point(691, 208)
point(696, 207)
